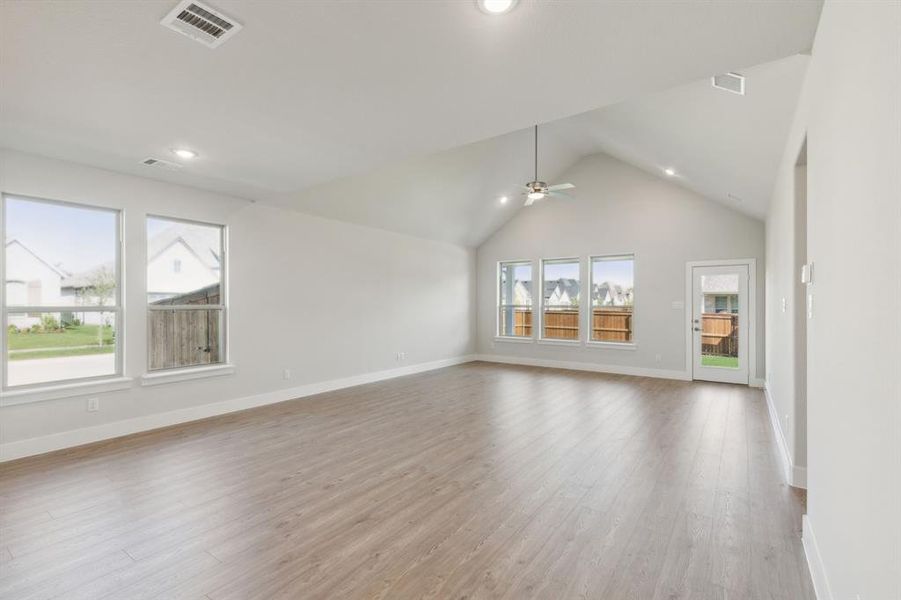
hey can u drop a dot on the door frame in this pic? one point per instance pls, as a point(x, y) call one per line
point(751, 263)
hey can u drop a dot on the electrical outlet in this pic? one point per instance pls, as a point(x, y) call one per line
point(657, 358)
point(93, 404)
point(784, 305)
point(286, 374)
point(401, 356)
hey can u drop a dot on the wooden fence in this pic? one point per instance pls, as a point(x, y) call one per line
point(608, 324)
point(185, 337)
point(719, 334)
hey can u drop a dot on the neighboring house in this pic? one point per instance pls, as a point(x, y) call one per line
point(178, 263)
point(30, 280)
point(720, 294)
point(561, 292)
point(612, 294)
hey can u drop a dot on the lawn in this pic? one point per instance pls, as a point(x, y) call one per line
point(719, 361)
point(74, 341)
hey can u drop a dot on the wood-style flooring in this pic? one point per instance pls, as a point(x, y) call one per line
point(475, 481)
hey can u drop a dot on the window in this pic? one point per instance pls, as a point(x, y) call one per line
point(186, 305)
point(514, 315)
point(612, 298)
point(560, 300)
point(61, 303)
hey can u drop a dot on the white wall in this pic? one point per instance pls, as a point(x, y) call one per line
point(851, 113)
point(325, 299)
point(621, 209)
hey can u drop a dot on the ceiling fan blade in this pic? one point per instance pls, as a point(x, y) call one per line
point(560, 195)
point(560, 186)
point(529, 201)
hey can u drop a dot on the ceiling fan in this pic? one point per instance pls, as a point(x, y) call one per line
point(539, 190)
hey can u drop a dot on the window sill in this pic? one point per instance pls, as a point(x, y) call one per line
point(515, 340)
point(612, 345)
point(570, 343)
point(65, 390)
point(176, 375)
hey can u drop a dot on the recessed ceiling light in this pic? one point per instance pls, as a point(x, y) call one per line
point(184, 153)
point(503, 199)
point(496, 7)
point(669, 171)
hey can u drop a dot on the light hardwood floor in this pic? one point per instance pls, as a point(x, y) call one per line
point(473, 481)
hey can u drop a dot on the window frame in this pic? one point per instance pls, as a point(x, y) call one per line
point(630, 345)
point(118, 308)
point(558, 341)
point(224, 364)
point(498, 306)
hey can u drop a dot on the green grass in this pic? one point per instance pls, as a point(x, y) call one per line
point(69, 342)
point(719, 361)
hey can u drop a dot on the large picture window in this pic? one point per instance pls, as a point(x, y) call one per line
point(612, 298)
point(61, 307)
point(514, 314)
point(185, 293)
point(560, 300)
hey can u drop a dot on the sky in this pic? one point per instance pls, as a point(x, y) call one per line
point(75, 239)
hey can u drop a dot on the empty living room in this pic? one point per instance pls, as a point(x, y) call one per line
point(450, 299)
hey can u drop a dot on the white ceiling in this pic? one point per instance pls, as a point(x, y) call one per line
point(722, 145)
point(718, 142)
point(311, 92)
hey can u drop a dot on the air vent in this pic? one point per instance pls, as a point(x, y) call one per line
point(731, 82)
point(159, 163)
point(201, 23)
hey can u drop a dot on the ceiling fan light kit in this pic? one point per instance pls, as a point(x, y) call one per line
point(539, 190)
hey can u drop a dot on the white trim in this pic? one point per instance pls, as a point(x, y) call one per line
point(584, 366)
point(794, 476)
point(87, 435)
point(173, 375)
point(821, 585)
point(752, 309)
point(65, 390)
point(541, 299)
point(757, 382)
point(799, 477)
point(612, 345)
point(556, 342)
point(589, 319)
point(117, 309)
point(522, 339)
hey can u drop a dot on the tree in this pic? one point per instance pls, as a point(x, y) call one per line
point(100, 288)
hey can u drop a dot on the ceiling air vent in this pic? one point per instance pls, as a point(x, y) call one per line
point(201, 23)
point(731, 82)
point(161, 164)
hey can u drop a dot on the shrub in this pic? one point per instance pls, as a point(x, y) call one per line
point(12, 330)
point(49, 323)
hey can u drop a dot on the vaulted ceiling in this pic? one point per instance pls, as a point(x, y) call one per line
point(311, 99)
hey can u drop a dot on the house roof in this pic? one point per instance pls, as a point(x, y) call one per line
point(618, 294)
point(53, 268)
point(206, 248)
point(206, 251)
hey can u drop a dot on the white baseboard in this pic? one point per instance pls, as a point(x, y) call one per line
point(815, 561)
point(583, 366)
point(87, 435)
point(794, 475)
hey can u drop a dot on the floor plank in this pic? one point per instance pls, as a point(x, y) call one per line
point(475, 481)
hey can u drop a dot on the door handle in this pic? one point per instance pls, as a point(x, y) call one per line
point(696, 328)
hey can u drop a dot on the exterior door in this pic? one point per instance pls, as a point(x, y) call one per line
point(719, 324)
